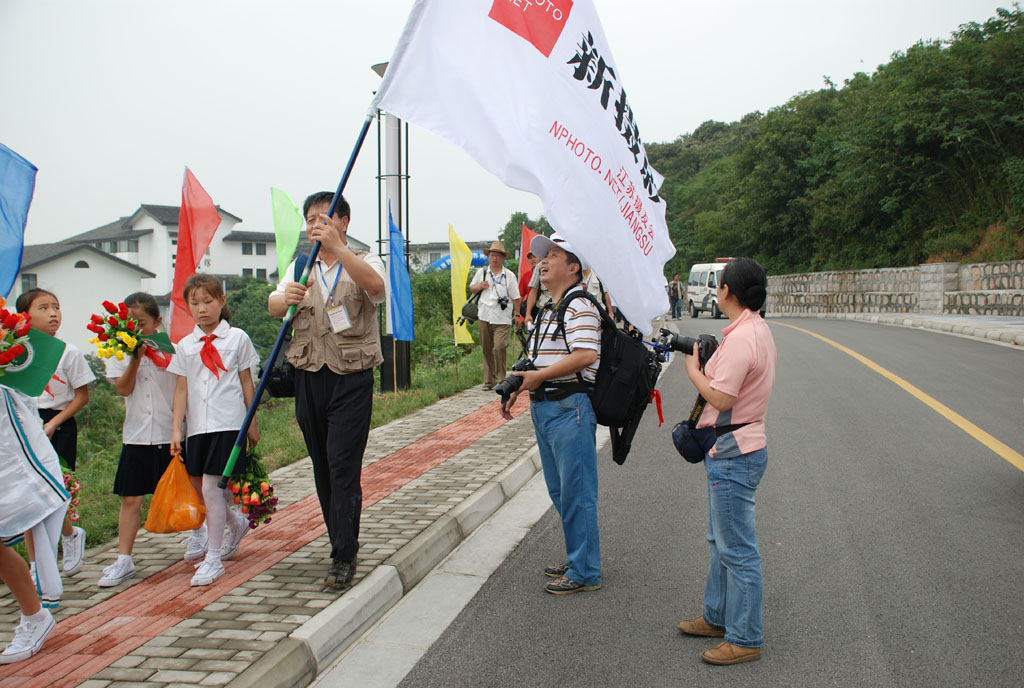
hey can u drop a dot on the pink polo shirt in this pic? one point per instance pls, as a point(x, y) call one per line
point(743, 367)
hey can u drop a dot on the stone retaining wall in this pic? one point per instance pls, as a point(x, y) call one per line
point(980, 288)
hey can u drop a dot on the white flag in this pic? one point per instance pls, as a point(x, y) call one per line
point(530, 90)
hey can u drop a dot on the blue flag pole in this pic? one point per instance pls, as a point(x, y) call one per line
point(287, 324)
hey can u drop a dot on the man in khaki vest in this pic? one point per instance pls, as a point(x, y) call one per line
point(335, 347)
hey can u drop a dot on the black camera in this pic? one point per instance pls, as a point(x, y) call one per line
point(502, 302)
point(511, 384)
point(706, 344)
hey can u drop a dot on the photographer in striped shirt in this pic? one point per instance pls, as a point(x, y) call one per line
point(563, 418)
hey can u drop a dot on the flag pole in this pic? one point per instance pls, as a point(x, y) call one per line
point(286, 325)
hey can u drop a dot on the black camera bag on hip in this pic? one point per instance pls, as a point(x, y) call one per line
point(471, 309)
point(281, 380)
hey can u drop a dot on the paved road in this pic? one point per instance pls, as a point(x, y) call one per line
point(892, 540)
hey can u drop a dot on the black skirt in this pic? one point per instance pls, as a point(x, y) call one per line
point(207, 454)
point(140, 468)
point(65, 437)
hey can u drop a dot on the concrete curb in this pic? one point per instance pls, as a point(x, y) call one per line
point(993, 333)
point(297, 659)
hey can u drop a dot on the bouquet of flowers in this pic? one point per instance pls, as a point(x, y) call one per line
point(14, 329)
point(72, 485)
point(117, 334)
point(253, 490)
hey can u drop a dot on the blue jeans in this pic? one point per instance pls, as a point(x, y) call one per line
point(677, 308)
point(567, 439)
point(734, 591)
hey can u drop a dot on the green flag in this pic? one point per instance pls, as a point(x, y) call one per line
point(31, 372)
point(160, 341)
point(288, 223)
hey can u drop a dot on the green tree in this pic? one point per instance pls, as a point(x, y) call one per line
point(247, 301)
point(512, 232)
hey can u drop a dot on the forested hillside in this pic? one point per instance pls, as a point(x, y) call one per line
point(922, 160)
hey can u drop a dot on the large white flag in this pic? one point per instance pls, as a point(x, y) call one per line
point(530, 90)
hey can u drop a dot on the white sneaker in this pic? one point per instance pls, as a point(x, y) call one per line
point(29, 636)
point(74, 551)
point(207, 572)
point(234, 538)
point(196, 547)
point(117, 573)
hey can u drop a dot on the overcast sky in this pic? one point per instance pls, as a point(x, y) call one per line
point(111, 99)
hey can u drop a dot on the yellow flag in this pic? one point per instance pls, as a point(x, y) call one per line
point(462, 259)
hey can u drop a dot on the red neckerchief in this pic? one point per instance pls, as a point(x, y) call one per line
point(47, 388)
point(210, 356)
point(159, 358)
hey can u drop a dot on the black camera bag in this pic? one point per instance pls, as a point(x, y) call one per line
point(281, 380)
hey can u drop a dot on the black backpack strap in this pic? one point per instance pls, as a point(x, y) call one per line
point(606, 320)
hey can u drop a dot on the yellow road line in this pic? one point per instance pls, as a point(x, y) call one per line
point(952, 416)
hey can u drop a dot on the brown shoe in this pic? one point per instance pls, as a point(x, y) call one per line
point(700, 627)
point(724, 654)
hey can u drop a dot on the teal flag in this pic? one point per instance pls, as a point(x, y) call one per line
point(31, 371)
point(288, 223)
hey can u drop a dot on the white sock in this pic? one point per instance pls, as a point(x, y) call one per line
point(213, 556)
point(124, 557)
point(38, 616)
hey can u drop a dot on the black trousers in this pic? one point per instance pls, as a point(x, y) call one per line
point(333, 412)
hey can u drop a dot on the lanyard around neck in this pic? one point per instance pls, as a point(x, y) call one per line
point(330, 294)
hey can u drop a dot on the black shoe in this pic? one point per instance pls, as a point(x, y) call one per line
point(565, 586)
point(556, 571)
point(340, 575)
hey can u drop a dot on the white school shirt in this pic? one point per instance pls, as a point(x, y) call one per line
point(328, 274)
point(72, 372)
point(149, 409)
point(504, 285)
point(214, 405)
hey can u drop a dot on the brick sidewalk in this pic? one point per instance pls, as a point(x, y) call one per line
point(159, 632)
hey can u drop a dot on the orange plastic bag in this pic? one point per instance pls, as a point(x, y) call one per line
point(175, 506)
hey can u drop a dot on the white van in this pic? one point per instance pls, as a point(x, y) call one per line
point(701, 288)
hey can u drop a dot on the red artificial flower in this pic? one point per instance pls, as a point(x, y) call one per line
point(18, 349)
point(11, 321)
point(113, 321)
point(23, 330)
point(129, 324)
point(111, 308)
point(102, 337)
point(98, 319)
point(4, 313)
point(122, 310)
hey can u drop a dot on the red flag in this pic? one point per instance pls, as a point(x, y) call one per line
point(198, 220)
point(525, 269)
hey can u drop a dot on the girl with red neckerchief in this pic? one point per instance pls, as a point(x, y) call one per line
point(148, 391)
point(214, 388)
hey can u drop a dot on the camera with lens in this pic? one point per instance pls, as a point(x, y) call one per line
point(706, 344)
point(511, 384)
point(502, 302)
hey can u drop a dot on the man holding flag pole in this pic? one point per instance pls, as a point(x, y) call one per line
point(335, 347)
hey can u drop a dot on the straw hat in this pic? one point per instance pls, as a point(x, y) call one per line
point(497, 247)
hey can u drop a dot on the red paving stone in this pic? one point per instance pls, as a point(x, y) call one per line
point(74, 652)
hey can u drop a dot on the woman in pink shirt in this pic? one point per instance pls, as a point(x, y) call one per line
point(736, 382)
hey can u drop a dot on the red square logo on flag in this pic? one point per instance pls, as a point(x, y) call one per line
point(538, 21)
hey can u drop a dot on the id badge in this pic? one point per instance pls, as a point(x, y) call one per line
point(339, 318)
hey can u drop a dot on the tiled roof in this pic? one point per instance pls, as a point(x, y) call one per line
point(40, 254)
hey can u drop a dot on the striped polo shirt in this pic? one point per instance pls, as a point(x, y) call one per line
point(582, 331)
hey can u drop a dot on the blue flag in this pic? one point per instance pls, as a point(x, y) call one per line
point(401, 286)
point(17, 182)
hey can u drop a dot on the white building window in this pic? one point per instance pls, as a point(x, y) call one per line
point(261, 249)
point(28, 281)
point(246, 248)
point(246, 272)
point(261, 273)
point(435, 255)
point(81, 264)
